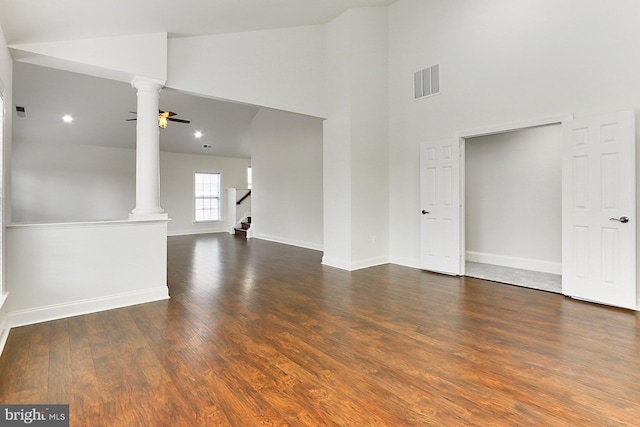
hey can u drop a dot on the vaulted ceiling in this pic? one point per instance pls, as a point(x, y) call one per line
point(36, 21)
point(100, 107)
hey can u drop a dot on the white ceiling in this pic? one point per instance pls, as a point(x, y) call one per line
point(30, 21)
point(100, 107)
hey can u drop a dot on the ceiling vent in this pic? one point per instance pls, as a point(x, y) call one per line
point(426, 82)
point(21, 111)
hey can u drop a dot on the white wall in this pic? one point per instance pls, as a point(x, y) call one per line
point(355, 141)
point(6, 84)
point(337, 147)
point(500, 62)
point(369, 138)
point(65, 183)
point(176, 188)
point(282, 68)
point(118, 58)
point(80, 268)
point(286, 162)
point(513, 199)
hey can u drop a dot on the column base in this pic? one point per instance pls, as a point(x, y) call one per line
point(147, 216)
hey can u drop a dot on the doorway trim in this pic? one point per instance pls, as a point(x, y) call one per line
point(462, 136)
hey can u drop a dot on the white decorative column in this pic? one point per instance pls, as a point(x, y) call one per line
point(147, 152)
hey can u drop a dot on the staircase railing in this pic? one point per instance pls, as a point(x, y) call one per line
point(243, 197)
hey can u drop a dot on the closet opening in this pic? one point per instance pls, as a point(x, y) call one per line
point(513, 207)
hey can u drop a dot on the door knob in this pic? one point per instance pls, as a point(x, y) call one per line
point(424, 212)
point(622, 219)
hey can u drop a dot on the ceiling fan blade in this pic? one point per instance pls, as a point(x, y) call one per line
point(162, 115)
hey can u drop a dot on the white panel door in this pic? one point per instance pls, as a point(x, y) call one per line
point(440, 245)
point(598, 209)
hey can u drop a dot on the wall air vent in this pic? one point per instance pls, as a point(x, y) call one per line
point(426, 82)
point(21, 111)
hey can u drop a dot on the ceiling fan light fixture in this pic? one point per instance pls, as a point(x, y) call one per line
point(164, 117)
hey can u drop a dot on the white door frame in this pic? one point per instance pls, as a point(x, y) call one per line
point(462, 136)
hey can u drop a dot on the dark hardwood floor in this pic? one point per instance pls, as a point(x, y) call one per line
point(258, 333)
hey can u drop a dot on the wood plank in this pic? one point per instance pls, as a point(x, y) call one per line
point(85, 404)
point(59, 389)
point(259, 333)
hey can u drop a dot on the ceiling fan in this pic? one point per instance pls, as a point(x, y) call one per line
point(163, 118)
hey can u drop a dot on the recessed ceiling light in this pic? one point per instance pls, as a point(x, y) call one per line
point(67, 118)
point(197, 134)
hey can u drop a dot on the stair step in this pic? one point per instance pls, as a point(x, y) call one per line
point(240, 232)
point(245, 225)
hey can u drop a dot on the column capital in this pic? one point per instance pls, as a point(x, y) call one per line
point(147, 84)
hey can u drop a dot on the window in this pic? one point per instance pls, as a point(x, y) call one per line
point(249, 177)
point(207, 196)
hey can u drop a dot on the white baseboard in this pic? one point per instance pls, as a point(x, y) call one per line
point(356, 265)
point(217, 229)
point(4, 321)
point(515, 262)
point(406, 262)
point(286, 241)
point(369, 262)
point(5, 329)
point(336, 263)
point(93, 305)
